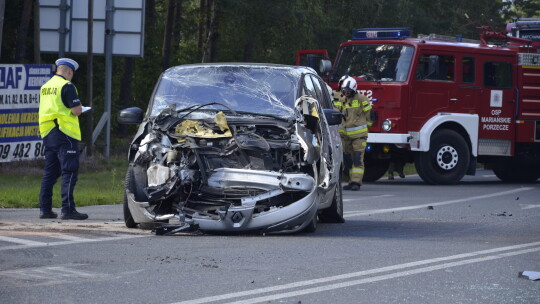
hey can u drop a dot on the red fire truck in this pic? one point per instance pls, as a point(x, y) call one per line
point(446, 105)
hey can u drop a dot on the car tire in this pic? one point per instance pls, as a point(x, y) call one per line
point(128, 218)
point(447, 160)
point(334, 213)
point(312, 226)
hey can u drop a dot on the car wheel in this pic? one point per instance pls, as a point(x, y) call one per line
point(334, 213)
point(312, 226)
point(447, 160)
point(128, 218)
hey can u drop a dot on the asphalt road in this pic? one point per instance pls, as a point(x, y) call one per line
point(403, 242)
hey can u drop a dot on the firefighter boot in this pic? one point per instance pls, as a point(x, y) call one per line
point(352, 186)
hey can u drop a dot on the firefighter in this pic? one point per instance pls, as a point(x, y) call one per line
point(356, 110)
point(347, 160)
point(59, 109)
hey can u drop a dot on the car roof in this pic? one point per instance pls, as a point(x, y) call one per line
point(301, 69)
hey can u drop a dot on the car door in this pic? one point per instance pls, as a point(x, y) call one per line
point(332, 153)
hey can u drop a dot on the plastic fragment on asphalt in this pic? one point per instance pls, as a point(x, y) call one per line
point(531, 275)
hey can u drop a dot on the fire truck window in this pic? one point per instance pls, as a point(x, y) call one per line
point(374, 62)
point(468, 69)
point(498, 75)
point(312, 61)
point(435, 67)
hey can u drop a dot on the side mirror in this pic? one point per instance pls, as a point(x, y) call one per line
point(333, 117)
point(131, 116)
point(325, 66)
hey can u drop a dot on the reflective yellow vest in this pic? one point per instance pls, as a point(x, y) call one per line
point(51, 107)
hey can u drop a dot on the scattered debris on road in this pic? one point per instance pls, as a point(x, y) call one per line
point(530, 275)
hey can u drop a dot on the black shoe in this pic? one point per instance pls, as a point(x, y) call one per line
point(74, 215)
point(352, 186)
point(48, 214)
point(402, 175)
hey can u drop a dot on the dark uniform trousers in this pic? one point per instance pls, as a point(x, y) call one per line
point(61, 159)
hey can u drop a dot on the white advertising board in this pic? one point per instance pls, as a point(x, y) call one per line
point(19, 106)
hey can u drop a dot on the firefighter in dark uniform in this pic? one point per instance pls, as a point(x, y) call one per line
point(356, 110)
point(59, 109)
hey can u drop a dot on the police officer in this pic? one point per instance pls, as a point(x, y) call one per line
point(356, 110)
point(59, 109)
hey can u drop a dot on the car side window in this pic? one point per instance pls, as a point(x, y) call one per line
point(322, 91)
point(317, 87)
point(309, 87)
point(435, 67)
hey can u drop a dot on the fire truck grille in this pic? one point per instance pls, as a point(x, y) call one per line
point(532, 60)
point(489, 146)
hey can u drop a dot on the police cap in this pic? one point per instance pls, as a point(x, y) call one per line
point(69, 62)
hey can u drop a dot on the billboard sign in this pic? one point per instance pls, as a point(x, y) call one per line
point(128, 26)
point(19, 107)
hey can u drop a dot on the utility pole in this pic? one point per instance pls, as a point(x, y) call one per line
point(63, 30)
point(37, 53)
point(2, 10)
point(90, 76)
point(109, 32)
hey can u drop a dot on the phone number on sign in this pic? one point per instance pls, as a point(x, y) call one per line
point(21, 151)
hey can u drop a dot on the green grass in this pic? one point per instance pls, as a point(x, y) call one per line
point(101, 182)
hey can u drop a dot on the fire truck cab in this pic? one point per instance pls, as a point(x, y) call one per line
point(446, 105)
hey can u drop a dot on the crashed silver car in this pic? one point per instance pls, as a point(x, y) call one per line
point(235, 148)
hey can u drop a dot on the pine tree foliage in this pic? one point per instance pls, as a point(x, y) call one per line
point(256, 31)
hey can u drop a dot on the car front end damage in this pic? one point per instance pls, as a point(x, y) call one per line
point(211, 171)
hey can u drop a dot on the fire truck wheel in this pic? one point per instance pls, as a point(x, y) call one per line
point(516, 173)
point(447, 160)
point(375, 169)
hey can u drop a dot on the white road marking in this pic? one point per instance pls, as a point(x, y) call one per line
point(33, 244)
point(365, 198)
point(21, 241)
point(523, 206)
point(456, 201)
point(383, 277)
point(68, 237)
point(52, 274)
point(468, 258)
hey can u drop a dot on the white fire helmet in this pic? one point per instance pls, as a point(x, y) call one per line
point(340, 82)
point(349, 84)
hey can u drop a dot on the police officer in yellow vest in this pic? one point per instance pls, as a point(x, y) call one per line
point(356, 110)
point(59, 109)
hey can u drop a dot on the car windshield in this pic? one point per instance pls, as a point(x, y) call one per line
point(254, 89)
point(374, 62)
